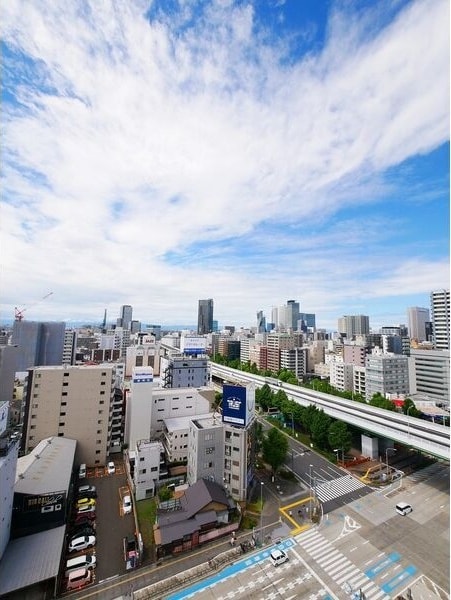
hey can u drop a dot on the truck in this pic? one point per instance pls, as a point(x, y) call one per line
point(131, 552)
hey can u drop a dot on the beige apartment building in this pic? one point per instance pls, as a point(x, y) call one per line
point(74, 402)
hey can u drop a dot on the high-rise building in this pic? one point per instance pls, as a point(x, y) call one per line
point(39, 343)
point(418, 318)
point(440, 319)
point(292, 314)
point(70, 345)
point(261, 322)
point(352, 325)
point(307, 321)
point(125, 320)
point(74, 402)
point(205, 317)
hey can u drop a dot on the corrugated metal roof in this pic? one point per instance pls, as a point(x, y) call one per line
point(31, 559)
point(46, 468)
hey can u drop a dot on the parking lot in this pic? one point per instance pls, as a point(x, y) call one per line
point(112, 525)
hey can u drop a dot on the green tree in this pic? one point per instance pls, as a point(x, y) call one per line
point(264, 397)
point(410, 409)
point(164, 493)
point(320, 428)
point(339, 436)
point(275, 447)
point(380, 401)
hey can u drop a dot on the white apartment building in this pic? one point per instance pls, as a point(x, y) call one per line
point(245, 348)
point(295, 360)
point(9, 450)
point(359, 378)
point(440, 311)
point(206, 449)
point(429, 374)
point(175, 437)
point(386, 374)
point(149, 462)
point(74, 402)
point(149, 406)
point(342, 376)
point(143, 355)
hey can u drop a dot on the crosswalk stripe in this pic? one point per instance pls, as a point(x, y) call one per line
point(337, 566)
point(328, 490)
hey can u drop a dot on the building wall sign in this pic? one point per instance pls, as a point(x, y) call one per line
point(237, 405)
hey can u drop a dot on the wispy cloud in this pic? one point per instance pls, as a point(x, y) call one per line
point(142, 146)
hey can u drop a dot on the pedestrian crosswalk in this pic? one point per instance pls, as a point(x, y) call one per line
point(338, 567)
point(328, 490)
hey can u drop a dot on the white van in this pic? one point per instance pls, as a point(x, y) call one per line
point(79, 578)
point(82, 471)
point(402, 508)
point(85, 561)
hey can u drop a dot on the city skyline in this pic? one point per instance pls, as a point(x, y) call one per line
point(246, 152)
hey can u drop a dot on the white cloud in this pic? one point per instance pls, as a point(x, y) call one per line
point(151, 140)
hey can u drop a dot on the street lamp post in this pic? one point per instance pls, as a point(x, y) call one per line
point(386, 456)
point(311, 491)
point(408, 420)
point(261, 512)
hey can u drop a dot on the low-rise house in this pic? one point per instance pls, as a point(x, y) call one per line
point(204, 512)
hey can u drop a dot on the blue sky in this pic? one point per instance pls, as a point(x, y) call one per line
point(156, 153)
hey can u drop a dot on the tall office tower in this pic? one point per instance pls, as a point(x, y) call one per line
point(386, 374)
point(440, 319)
point(418, 318)
point(8, 368)
point(39, 343)
point(261, 322)
point(205, 317)
point(73, 402)
point(307, 321)
point(292, 314)
point(125, 320)
point(352, 325)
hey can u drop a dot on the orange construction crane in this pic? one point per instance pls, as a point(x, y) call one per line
point(18, 312)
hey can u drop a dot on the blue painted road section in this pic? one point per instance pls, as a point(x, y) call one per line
point(382, 564)
point(401, 578)
point(231, 570)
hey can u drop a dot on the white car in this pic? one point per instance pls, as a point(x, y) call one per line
point(111, 468)
point(81, 543)
point(126, 505)
point(278, 557)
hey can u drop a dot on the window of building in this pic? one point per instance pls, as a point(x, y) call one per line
point(62, 414)
point(97, 451)
point(209, 450)
point(141, 458)
point(33, 427)
point(103, 373)
point(235, 449)
point(236, 463)
point(65, 374)
point(99, 431)
point(63, 393)
point(102, 393)
point(59, 435)
point(98, 441)
point(228, 435)
point(153, 469)
point(142, 471)
point(235, 477)
point(65, 384)
point(35, 406)
point(227, 450)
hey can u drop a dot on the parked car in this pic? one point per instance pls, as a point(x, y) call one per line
point(86, 510)
point(84, 561)
point(84, 519)
point(79, 578)
point(81, 543)
point(85, 502)
point(111, 468)
point(87, 489)
point(84, 529)
point(87, 495)
point(126, 505)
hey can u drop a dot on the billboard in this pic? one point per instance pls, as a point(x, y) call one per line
point(193, 344)
point(237, 404)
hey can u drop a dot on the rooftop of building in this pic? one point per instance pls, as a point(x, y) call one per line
point(48, 468)
point(177, 423)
